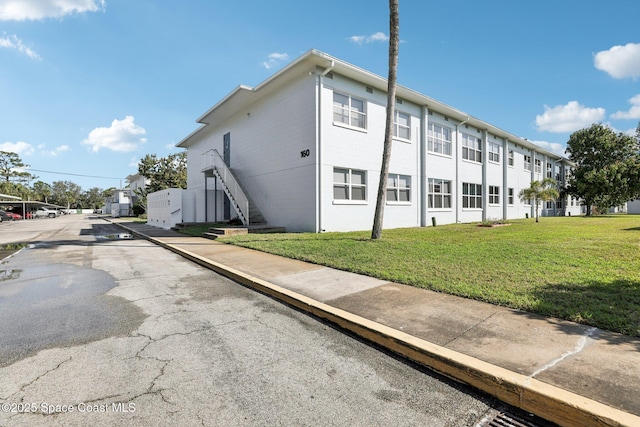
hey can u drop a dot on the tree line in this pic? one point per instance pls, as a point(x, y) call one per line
point(607, 167)
point(606, 172)
point(162, 172)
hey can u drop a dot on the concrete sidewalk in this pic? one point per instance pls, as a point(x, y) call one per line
point(564, 372)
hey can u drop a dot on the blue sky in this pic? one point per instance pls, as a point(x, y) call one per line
point(89, 87)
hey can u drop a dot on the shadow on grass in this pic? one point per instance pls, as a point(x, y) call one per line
point(612, 306)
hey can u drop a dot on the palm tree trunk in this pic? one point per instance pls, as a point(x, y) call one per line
point(394, 30)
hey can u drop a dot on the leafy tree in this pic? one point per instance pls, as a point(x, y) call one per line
point(540, 191)
point(7, 187)
point(11, 166)
point(164, 172)
point(22, 191)
point(42, 191)
point(66, 193)
point(606, 166)
point(394, 42)
point(93, 198)
point(12, 177)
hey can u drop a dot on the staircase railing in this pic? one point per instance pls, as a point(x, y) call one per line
point(231, 186)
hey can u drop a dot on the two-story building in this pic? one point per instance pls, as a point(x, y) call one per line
point(303, 150)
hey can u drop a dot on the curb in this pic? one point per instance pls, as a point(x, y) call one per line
point(547, 401)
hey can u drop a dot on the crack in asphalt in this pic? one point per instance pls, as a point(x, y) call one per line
point(39, 377)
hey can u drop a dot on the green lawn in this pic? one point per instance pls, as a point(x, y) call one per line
point(582, 269)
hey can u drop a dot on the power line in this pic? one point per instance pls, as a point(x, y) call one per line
point(74, 174)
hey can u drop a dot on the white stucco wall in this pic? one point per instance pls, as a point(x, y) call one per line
point(267, 139)
point(361, 149)
point(633, 207)
point(285, 146)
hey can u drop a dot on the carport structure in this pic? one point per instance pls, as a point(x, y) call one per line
point(17, 205)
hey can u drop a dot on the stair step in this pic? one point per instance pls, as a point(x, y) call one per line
point(266, 229)
point(230, 231)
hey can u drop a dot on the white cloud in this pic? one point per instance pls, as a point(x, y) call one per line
point(13, 42)
point(554, 147)
point(375, 37)
point(568, 118)
point(133, 163)
point(275, 59)
point(122, 136)
point(619, 61)
point(25, 10)
point(55, 151)
point(19, 147)
point(634, 111)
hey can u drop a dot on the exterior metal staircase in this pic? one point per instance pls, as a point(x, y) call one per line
point(247, 211)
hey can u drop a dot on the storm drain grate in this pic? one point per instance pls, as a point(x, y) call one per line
point(503, 418)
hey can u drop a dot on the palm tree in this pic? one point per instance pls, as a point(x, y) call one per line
point(540, 192)
point(394, 41)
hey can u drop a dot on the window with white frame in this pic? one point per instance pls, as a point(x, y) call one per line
point(549, 170)
point(401, 125)
point(511, 158)
point(538, 166)
point(398, 188)
point(471, 195)
point(494, 152)
point(439, 139)
point(558, 204)
point(494, 195)
point(349, 110)
point(549, 204)
point(349, 184)
point(439, 194)
point(527, 162)
point(510, 196)
point(471, 148)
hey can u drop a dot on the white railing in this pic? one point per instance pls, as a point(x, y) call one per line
point(229, 182)
point(208, 160)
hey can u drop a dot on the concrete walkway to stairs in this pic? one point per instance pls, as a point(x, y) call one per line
point(564, 372)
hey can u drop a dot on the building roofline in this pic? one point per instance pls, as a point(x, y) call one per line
point(243, 95)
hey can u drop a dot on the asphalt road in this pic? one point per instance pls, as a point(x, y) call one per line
point(97, 329)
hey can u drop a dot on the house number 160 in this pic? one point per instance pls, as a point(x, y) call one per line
point(305, 153)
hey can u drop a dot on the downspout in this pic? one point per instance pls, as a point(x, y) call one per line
point(424, 182)
point(206, 200)
point(458, 160)
point(215, 198)
point(485, 180)
point(505, 180)
point(535, 208)
point(319, 125)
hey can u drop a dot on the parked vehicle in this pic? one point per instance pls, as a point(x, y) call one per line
point(14, 215)
point(4, 216)
point(45, 213)
point(17, 210)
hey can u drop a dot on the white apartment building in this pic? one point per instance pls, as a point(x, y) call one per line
point(303, 150)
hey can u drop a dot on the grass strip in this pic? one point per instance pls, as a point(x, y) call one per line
point(583, 269)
